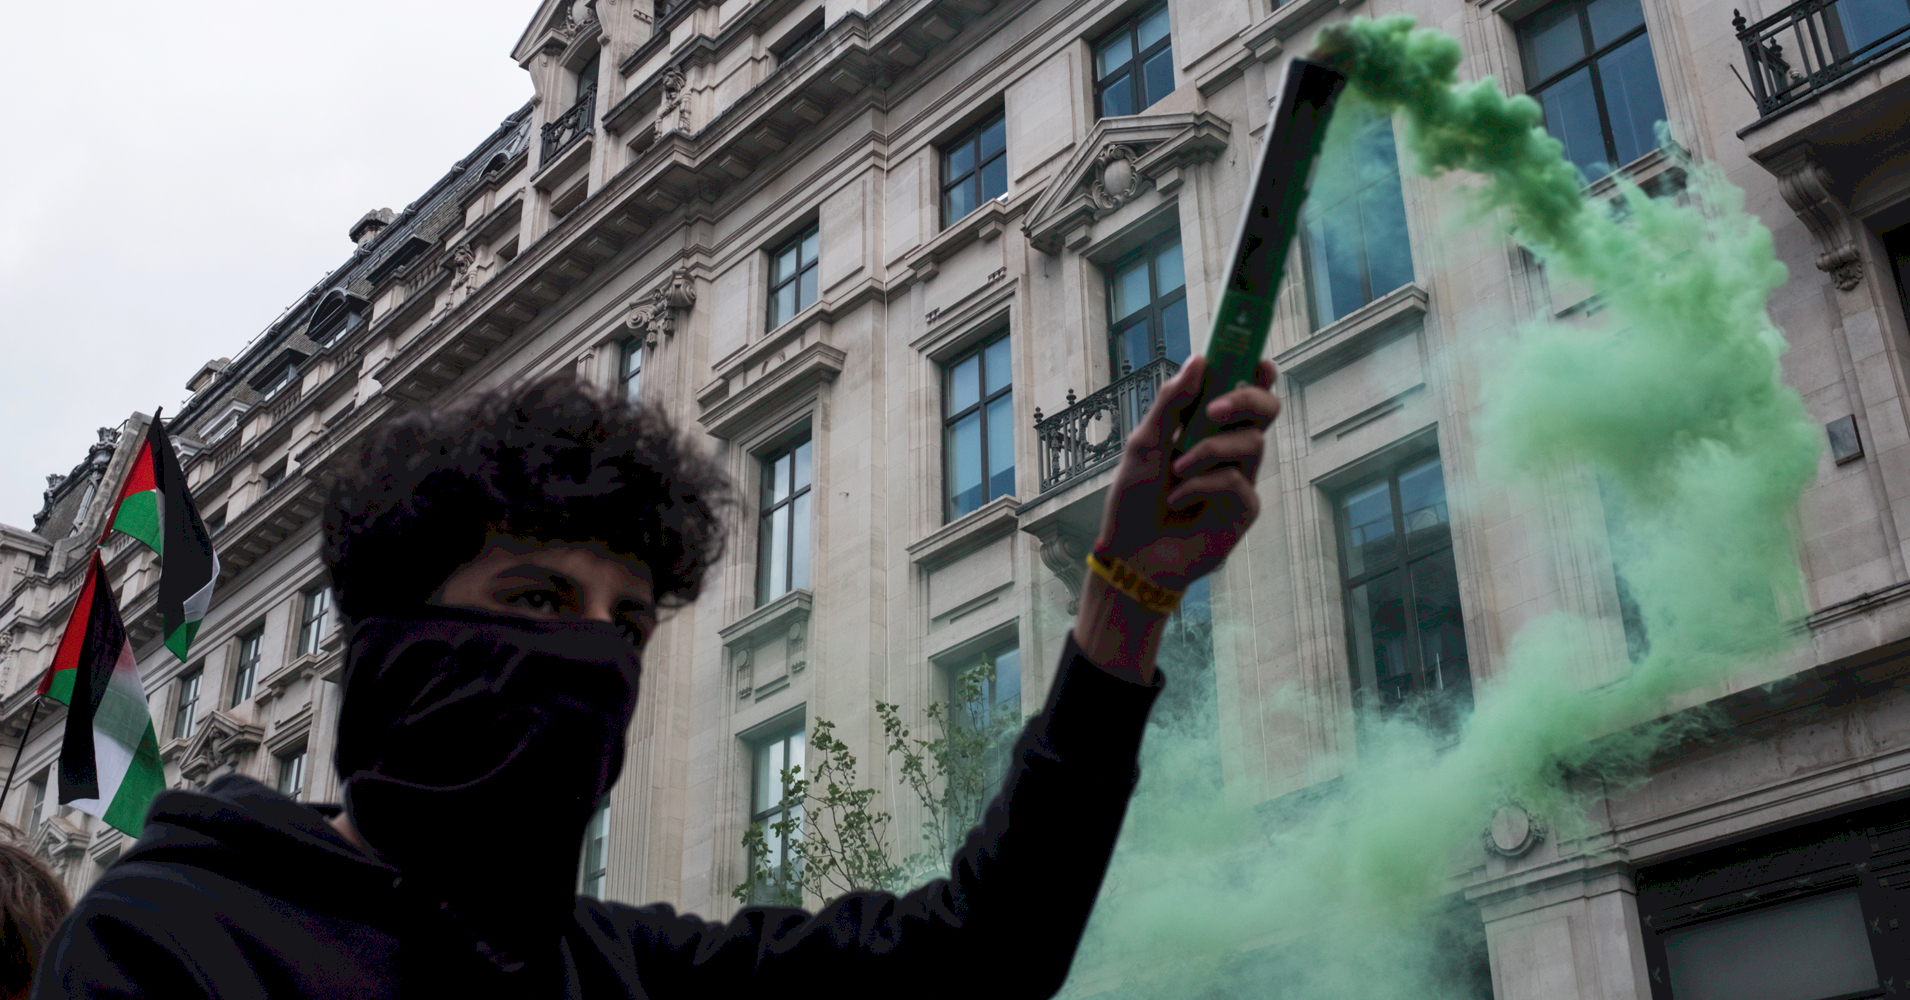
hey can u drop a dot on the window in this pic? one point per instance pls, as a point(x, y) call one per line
point(782, 557)
point(1801, 914)
point(215, 520)
point(978, 427)
point(188, 702)
point(630, 367)
point(810, 30)
point(1147, 306)
point(1134, 64)
point(1356, 241)
point(776, 761)
point(1588, 64)
point(292, 773)
point(274, 475)
point(314, 618)
point(247, 677)
point(792, 276)
point(1404, 627)
point(974, 169)
point(984, 697)
point(36, 803)
point(590, 874)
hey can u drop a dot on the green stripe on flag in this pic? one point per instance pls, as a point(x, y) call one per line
point(145, 779)
point(62, 689)
point(181, 639)
point(139, 517)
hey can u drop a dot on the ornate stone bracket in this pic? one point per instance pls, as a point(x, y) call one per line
point(1806, 188)
point(219, 742)
point(1065, 553)
point(655, 313)
point(673, 113)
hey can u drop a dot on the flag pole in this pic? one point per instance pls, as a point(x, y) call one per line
point(18, 753)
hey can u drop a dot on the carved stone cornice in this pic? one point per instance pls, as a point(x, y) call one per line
point(655, 314)
point(218, 743)
point(1115, 163)
point(1806, 187)
point(788, 616)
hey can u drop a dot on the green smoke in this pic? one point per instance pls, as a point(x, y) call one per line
point(1671, 397)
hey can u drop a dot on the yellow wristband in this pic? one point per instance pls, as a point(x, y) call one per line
point(1129, 581)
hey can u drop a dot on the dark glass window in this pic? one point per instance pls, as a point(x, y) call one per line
point(186, 709)
point(782, 556)
point(984, 698)
point(630, 366)
point(978, 427)
point(247, 677)
point(596, 860)
point(974, 169)
point(274, 476)
point(36, 805)
point(292, 773)
point(768, 805)
point(1588, 64)
point(1147, 306)
point(1357, 247)
point(1134, 64)
point(315, 606)
point(1404, 627)
point(792, 276)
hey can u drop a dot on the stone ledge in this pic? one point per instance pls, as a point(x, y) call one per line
point(1352, 334)
point(971, 531)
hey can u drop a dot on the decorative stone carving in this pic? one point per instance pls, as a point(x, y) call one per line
point(673, 114)
point(1513, 832)
point(460, 264)
point(1805, 186)
point(1117, 180)
point(54, 480)
point(740, 660)
point(1065, 554)
point(797, 643)
point(655, 313)
point(468, 265)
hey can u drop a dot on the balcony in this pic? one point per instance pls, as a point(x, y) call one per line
point(1082, 439)
point(570, 126)
point(1829, 41)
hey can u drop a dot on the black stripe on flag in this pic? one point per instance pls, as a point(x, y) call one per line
point(105, 639)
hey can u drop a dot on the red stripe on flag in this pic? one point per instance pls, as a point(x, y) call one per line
point(139, 479)
point(73, 640)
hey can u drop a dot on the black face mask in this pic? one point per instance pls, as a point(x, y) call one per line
point(474, 748)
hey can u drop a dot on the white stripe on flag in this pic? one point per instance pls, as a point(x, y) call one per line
point(117, 728)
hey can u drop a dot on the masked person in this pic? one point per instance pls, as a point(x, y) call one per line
point(500, 566)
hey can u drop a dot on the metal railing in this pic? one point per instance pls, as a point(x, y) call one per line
point(1829, 40)
point(1089, 433)
point(570, 126)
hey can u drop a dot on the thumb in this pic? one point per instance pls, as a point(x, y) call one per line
point(1171, 402)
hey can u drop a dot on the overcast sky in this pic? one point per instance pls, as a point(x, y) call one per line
point(178, 173)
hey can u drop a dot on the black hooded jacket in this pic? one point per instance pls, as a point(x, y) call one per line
point(242, 893)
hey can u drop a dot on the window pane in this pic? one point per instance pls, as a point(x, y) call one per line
point(809, 245)
point(994, 137)
point(1153, 29)
point(796, 751)
point(806, 297)
point(998, 365)
point(799, 543)
point(1134, 344)
point(801, 457)
point(778, 478)
point(1376, 616)
point(964, 384)
point(1367, 520)
point(1612, 18)
point(1632, 98)
point(1174, 330)
point(1864, 23)
point(1158, 76)
point(765, 780)
point(965, 465)
point(782, 305)
point(1571, 116)
point(1008, 680)
point(1389, 255)
point(1118, 98)
point(1130, 290)
point(777, 534)
point(1804, 950)
point(961, 159)
point(1334, 241)
point(785, 265)
point(1422, 501)
point(1553, 41)
point(994, 179)
point(961, 201)
point(1169, 273)
point(1112, 55)
point(1001, 447)
point(1442, 630)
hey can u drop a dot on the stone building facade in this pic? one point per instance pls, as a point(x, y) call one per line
point(909, 268)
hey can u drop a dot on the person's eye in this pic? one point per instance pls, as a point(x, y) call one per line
point(535, 600)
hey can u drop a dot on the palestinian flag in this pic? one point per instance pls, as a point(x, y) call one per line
point(155, 508)
point(109, 762)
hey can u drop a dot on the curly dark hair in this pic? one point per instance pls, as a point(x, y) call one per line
point(32, 903)
point(556, 460)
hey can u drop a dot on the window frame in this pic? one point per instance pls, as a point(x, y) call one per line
point(292, 764)
point(1533, 86)
point(778, 281)
point(1157, 304)
point(767, 507)
point(314, 625)
point(36, 803)
point(985, 399)
point(186, 701)
point(759, 748)
point(1134, 68)
point(972, 137)
point(1402, 563)
point(591, 881)
point(245, 679)
point(630, 366)
point(1313, 265)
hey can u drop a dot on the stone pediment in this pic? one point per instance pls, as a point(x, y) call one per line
point(1120, 159)
point(218, 743)
point(60, 841)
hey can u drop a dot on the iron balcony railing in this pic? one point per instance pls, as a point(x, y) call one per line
point(1088, 434)
point(570, 126)
point(1828, 41)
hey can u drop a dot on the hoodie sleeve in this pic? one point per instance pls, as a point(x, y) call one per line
point(99, 953)
point(1017, 896)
